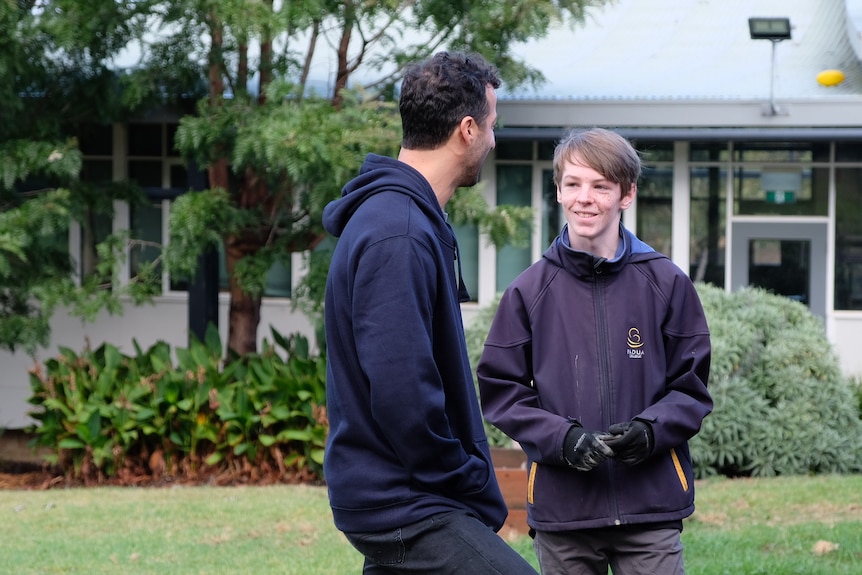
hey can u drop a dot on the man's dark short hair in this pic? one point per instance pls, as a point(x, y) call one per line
point(437, 93)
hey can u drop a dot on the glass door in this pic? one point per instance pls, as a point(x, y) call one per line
point(787, 259)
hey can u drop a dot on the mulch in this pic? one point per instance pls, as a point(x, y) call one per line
point(22, 475)
point(34, 476)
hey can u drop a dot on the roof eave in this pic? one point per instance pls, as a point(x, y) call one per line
point(843, 111)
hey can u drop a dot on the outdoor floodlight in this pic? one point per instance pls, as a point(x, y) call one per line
point(775, 30)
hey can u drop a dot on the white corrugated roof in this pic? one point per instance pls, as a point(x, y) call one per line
point(698, 49)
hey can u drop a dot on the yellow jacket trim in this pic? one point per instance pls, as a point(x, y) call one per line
point(531, 481)
point(679, 472)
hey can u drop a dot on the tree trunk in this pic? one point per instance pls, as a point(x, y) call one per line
point(244, 312)
point(244, 319)
point(343, 72)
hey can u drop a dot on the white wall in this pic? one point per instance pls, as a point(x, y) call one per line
point(845, 333)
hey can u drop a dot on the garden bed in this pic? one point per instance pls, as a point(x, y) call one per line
point(510, 466)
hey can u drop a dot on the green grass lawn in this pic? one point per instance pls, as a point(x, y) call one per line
point(794, 525)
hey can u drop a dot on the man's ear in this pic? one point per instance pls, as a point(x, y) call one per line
point(468, 129)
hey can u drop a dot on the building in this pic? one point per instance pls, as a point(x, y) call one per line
point(753, 166)
point(754, 162)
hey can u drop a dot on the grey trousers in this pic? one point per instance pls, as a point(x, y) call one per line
point(626, 550)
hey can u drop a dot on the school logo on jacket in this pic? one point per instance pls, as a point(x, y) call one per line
point(635, 343)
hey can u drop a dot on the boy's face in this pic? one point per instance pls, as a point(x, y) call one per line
point(592, 206)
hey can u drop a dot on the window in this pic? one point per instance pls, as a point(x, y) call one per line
point(848, 239)
point(514, 150)
point(655, 208)
point(468, 246)
point(278, 278)
point(146, 173)
point(780, 191)
point(145, 140)
point(546, 150)
point(848, 152)
point(783, 152)
point(552, 216)
point(655, 196)
point(146, 232)
point(514, 187)
point(96, 140)
point(95, 229)
point(97, 223)
point(655, 152)
point(707, 230)
point(708, 152)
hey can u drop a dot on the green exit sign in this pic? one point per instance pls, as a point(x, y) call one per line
point(785, 197)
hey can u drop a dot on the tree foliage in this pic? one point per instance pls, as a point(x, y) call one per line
point(279, 139)
point(55, 84)
point(290, 97)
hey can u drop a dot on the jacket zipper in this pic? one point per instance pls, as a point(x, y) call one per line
point(603, 341)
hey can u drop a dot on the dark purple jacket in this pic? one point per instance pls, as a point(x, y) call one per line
point(596, 341)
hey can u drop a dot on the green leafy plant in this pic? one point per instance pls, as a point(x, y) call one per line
point(273, 404)
point(105, 415)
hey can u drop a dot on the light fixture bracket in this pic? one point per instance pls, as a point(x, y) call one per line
point(774, 30)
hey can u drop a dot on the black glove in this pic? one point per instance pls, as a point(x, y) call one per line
point(631, 441)
point(583, 450)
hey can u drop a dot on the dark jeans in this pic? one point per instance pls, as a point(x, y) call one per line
point(452, 542)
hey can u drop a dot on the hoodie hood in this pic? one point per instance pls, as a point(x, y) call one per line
point(382, 174)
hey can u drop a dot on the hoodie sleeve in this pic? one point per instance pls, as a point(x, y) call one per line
point(393, 323)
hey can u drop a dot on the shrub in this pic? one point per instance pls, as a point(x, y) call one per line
point(857, 391)
point(476, 334)
point(107, 415)
point(782, 406)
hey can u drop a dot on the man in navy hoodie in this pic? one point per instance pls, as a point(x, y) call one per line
point(407, 463)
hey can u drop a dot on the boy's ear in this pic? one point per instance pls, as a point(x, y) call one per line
point(628, 198)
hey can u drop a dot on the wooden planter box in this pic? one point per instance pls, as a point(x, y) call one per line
point(510, 466)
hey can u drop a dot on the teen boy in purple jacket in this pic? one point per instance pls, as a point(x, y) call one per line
point(597, 364)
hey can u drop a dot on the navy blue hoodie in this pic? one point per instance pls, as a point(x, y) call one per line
point(406, 438)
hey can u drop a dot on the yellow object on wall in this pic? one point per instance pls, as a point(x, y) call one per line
point(830, 77)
